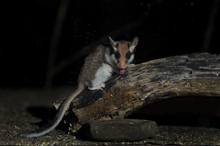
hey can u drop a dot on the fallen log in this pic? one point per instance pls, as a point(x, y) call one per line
point(195, 75)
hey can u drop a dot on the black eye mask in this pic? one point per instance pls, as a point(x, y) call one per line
point(117, 55)
point(128, 55)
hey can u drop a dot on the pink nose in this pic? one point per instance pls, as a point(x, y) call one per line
point(121, 71)
point(122, 67)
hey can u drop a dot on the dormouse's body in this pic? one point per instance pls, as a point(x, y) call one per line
point(97, 69)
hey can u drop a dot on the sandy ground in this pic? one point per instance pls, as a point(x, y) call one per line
point(22, 109)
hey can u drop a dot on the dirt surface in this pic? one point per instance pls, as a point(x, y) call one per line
point(22, 109)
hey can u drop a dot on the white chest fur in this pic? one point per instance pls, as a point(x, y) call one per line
point(102, 74)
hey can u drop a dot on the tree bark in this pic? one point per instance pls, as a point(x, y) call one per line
point(177, 76)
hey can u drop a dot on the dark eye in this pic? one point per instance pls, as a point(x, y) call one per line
point(128, 55)
point(117, 55)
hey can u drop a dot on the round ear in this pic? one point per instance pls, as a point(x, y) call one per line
point(133, 44)
point(113, 43)
point(135, 41)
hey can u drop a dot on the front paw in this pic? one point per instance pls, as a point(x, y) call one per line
point(97, 87)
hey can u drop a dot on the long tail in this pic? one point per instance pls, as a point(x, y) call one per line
point(55, 122)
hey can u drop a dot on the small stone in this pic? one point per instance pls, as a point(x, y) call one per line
point(119, 130)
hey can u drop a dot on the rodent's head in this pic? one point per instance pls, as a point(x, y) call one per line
point(122, 53)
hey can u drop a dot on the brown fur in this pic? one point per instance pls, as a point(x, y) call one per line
point(91, 65)
point(123, 49)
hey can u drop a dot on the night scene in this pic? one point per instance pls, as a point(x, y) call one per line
point(126, 72)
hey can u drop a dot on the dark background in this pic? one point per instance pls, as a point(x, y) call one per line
point(32, 29)
point(168, 27)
